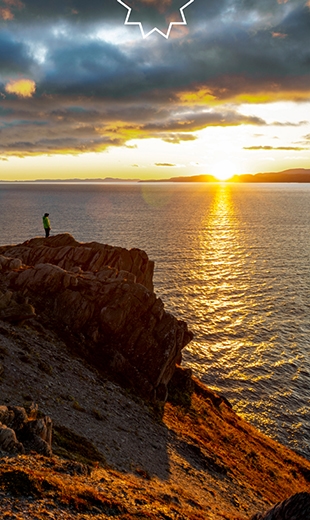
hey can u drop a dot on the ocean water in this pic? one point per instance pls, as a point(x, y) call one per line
point(231, 260)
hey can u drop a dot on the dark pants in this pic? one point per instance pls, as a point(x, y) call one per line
point(47, 232)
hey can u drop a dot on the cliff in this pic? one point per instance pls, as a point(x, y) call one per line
point(100, 299)
point(114, 455)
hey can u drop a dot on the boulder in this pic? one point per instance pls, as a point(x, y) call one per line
point(13, 311)
point(100, 300)
point(8, 440)
point(22, 433)
point(297, 507)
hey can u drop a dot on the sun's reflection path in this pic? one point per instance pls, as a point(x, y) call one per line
point(219, 270)
point(226, 341)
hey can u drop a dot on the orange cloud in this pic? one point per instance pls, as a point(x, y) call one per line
point(241, 89)
point(6, 14)
point(279, 35)
point(21, 87)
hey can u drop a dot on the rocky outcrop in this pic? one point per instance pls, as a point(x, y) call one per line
point(106, 313)
point(63, 250)
point(20, 433)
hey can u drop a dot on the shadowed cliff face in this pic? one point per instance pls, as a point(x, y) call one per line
point(100, 299)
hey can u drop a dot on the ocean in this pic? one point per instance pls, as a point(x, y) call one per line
point(232, 260)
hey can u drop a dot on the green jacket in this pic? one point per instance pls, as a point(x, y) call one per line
point(46, 223)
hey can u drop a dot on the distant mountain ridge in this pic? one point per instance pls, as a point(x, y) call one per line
point(292, 175)
point(99, 179)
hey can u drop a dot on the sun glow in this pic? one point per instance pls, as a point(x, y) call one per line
point(223, 170)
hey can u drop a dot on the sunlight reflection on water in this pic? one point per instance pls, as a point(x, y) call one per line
point(232, 261)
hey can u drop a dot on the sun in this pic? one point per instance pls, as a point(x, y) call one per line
point(223, 170)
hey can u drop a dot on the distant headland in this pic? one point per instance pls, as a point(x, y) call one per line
point(293, 175)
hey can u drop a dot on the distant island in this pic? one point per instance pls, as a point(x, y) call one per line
point(293, 175)
point(300, 175)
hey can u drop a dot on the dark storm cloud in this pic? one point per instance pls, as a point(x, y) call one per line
point(14, 55)
point(38, 11)
point(52, 125)
point(223, 42)
point(227, 58)
point(93, 91)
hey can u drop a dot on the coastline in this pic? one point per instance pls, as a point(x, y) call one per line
point(191, 455)
point(297, 175)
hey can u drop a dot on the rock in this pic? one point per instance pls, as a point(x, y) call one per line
point(18, 418)
point(6, 415)
point(100, 300)
point(181, 386)
point(5, 299)
point(8, 440)
point(297, 507)
point(16, 313)
point(10, 263)
point(63, 250)
point(37, 436)
point(12, 311)
point(20, 433)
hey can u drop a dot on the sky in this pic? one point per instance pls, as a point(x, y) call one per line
point(153, 89)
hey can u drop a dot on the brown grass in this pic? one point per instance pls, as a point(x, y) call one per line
point(256, 462)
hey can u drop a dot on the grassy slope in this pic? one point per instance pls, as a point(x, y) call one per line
point(220, 468)
point(197, 461)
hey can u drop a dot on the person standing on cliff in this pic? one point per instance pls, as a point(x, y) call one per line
point(46, 224)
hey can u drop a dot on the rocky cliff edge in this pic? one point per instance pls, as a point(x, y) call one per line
point(100, 299)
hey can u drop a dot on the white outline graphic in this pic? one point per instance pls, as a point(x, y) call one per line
point(184, 22)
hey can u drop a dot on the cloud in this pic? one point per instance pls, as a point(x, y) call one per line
point(6, 14)
point(177, 138)
point(230, 51)
point(278, 35)
point(287, 148)
point(14, 56)
point(288, 123)
point(165, 164)
point(91, 90)
point(156, 17)
point(24, 88)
